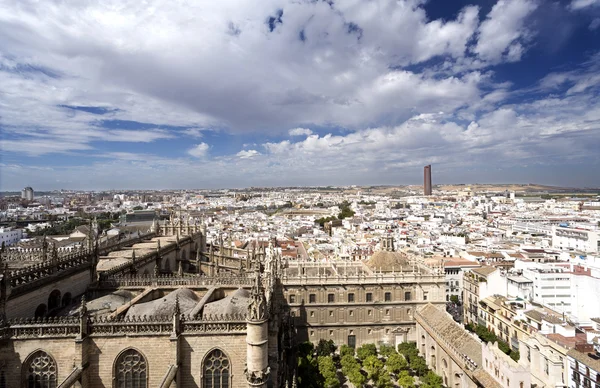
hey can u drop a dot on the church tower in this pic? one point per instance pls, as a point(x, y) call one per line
point(257, 337)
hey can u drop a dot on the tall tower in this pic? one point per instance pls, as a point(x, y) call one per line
point(427, 180)
point(257, 337)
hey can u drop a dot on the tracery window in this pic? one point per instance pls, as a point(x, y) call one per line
point(216, 370)
point(39, 371)
point(131, 370)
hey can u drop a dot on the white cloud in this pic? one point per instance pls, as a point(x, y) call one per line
point(300, 132)
point(247, 154)
point(329, 78)
point(199, 150)
point(594, 24)
point(500, 33)
point(580, 4)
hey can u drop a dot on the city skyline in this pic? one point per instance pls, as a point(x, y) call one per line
point(160, 95)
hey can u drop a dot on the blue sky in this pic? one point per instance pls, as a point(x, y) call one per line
point(119, 94)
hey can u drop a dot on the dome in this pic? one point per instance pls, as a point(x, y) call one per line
point(387, 261)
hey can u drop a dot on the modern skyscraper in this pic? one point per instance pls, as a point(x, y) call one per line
point(427, 180)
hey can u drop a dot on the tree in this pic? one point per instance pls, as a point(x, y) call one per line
point(431, 380)
point(419, 365)
point(454, 299)
point(387, 350)
point(408, 350)
point(329, 372)
point(345, 210)
point(345, 349)
point(373, 366)
point(356, 377)
point(395, 363)
point(325, 347)
point(515, 355)
point(384, 380)
point(366, 350)
point(405, 380)
point(308, 368)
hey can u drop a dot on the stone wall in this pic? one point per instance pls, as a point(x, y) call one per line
point(24, 305)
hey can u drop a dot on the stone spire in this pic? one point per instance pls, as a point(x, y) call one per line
point(257, 337)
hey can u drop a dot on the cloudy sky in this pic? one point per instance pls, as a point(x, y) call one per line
point(195, 94)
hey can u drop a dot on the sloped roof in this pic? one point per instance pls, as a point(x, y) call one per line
point(166, 305)
point(452, 332)
point(484, 271)
point(234, 303)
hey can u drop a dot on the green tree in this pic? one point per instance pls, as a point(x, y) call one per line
point(408, 350)
point(454, 299)
point(329, 372)
point(366, 350)
point(325, 347)
point(373, 366)
point(405, 380)
point(387, 350)
point(383, 380)
point(348, 363)
point(431, 380)
point(419, 365)
point(345, 349)
point(356, 377)
point(395, 363)
point(515, 355)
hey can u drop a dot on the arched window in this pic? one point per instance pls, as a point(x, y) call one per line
point(41, 311)
point(39, 371)
point(67, 299)
point(216, 370)
point(131, 370)
point(54, 300)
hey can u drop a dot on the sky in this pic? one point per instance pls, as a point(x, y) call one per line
point(175, 94)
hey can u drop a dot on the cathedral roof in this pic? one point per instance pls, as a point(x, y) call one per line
point(388, 261)
point(234, 303)
point(166, 305)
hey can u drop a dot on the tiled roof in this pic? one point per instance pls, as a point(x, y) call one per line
point(584, 358)
point(443, 324)
point(484, 271)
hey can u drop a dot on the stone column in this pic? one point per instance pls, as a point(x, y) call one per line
point(257, 338)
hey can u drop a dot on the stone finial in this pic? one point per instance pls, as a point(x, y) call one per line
point(258, 304)
point(83, 308)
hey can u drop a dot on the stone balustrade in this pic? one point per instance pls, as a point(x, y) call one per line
point(103, 326)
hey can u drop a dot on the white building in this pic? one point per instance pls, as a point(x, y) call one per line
point(503, 369)
point(455, 267)
point(9, 236)
point(575, 239)
point(551, 287)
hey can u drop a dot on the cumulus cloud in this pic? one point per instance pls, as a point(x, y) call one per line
point(247, 154)
point(300, 132)
point(400, 88)
point(199, 150)
point(502, 32)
